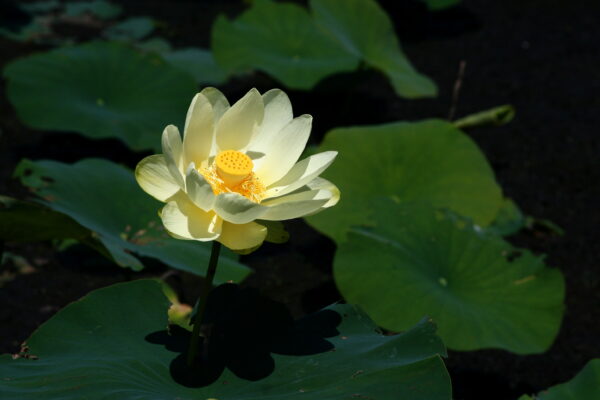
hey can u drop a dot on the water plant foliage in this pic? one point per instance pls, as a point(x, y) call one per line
point(103, 197)
point(106, 333)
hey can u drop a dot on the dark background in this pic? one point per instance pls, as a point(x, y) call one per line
point(539, 55)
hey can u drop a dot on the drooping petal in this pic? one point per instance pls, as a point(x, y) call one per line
point(199, 131)
point(278, 113)
point(295, 205)
point(323, 184)
point(282, 152)
point(235, 208)
point(198, 189)
point(186, 221)
point(218, 101)
point(301, 173)
point(242, 236)
point(240, 122)
point(172, 150)
point(153, 175)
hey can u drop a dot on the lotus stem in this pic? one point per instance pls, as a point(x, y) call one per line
point(197, 319)
point(496, 116)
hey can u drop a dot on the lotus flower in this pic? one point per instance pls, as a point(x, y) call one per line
point(236, 166)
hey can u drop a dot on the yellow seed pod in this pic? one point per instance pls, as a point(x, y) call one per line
point(233, 166)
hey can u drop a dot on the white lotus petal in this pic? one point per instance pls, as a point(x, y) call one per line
point(172, 150)
point(282, 152)
point(198, 189)
point(219, 102)
point(235, 208)
point(153, 175)
point(184, 220)
point(323, 184)
point(264, 128)
point(242, 236)
point(240, 122)
point(220, 105)
point(295, 205)
point(278, 113)
point(199, 131)
point(301, 173)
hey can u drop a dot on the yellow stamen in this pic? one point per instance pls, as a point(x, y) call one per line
point(233, 166)
point(231, 172)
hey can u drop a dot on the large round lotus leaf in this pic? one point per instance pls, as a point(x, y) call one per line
point(436, 5)
point(428, 161)
point(281, 40)
point(586, 385)
point(100, 90)
point(23, 221)
point(199, 63)
point(99, 8)
point(509, 220)
point(365, 30)
point(106, 346)
point(105, 198)
point(130, 30)
point(482, 292)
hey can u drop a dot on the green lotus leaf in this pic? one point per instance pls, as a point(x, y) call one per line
point(276, 232)
point(482, 292)
point(199, 63)
point(27, 221)
point(131, 29)
point(509, 220)
point(100, 8)
point(282, 40)
point(364, 29)
point(103, 346)
point(40, 7)
point(30, 32)
point(155, 44)
point(586, 385)
point(100, 90)
point(436, 5)
point(105, 198)
point(429, 161)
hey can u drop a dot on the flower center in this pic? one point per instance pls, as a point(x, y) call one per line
point(233, 166)
point(231, 172)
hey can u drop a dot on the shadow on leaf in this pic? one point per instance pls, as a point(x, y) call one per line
point(241, 329)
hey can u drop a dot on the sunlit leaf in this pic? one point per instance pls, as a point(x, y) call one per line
point(100, 90)
point(104, 197)
point(102, 346)
point(282, 40)
point(482, 292)
point(586, 385)
point(364, 29)
point(428, 161)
